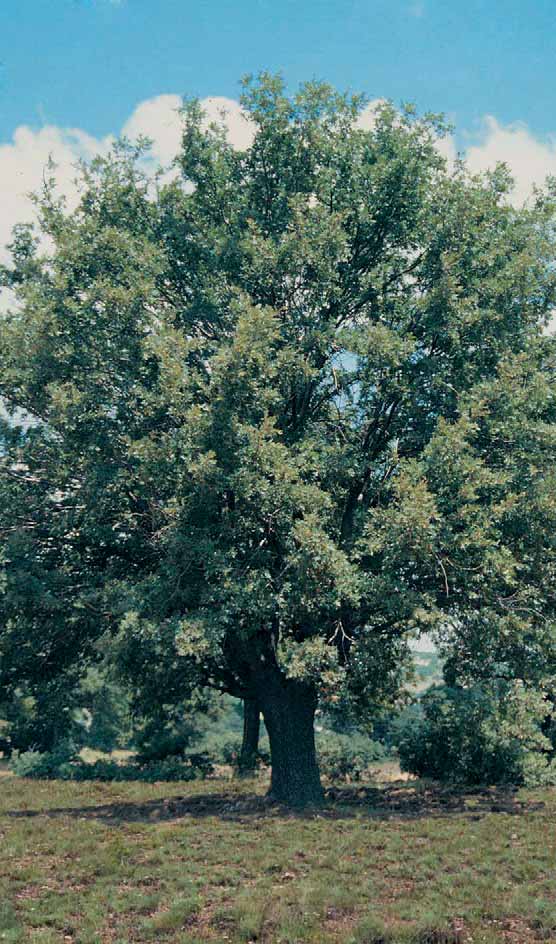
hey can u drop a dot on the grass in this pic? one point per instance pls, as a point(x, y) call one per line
point(400, 863)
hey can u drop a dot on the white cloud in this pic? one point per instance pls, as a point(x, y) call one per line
point(367, 118)
point(23, 160)
point(240, 129)
point(446, 146)
point(23, 164)
point(529, 159)
point(157, 118)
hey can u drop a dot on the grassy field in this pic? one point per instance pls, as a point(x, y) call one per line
point(399, 862)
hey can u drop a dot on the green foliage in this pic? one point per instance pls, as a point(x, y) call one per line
point(64, 766)
point(104, 711)
point(281, 415)
point(347, 757)
point(89, 712)
point(226, 749)
point(489, 733)
point(161, 739)
point(169, 711)
point(390, 726)
point(223, 739)
point(48, 766)
point(40, 719)
point(170, 733)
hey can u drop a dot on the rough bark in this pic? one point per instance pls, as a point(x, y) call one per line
point(289, 710)
point(247, 761)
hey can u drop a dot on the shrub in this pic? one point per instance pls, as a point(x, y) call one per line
point(42, 765)
point(489, 733)
point(226, 748)
point(194, 767)
point(347, 756)
point(170, 730)
point(166, 736)
point(223, 748)
point(55, 767)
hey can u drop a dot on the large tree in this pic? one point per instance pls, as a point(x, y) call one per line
point(288, 409)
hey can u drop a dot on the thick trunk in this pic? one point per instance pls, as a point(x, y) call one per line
point(247, 761)
point(289, 709)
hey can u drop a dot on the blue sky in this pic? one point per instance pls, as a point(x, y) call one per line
point(75, 72)
point(86, 63)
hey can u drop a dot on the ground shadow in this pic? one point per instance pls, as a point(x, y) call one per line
point(394, 801)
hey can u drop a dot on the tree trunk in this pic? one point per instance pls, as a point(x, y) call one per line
point(247, 761)
point(289, 710)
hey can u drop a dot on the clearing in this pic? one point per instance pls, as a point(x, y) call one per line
point(395, 863)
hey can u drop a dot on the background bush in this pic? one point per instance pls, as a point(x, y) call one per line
point(347, 757)
point(57, 766)
point(224, 748)
point(488, 734)
point(43, 765)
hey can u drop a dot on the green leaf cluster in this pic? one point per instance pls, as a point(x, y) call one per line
point(283, 412)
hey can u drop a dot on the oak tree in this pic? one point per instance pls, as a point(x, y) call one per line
point(288, 409)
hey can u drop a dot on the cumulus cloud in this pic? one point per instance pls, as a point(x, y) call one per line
point(446, 146)
point(157, 118)
point(530, 160)
point(367, 118)
point(225, 110)
point(23, 160)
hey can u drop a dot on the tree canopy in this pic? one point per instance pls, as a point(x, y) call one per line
point(284, 411)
